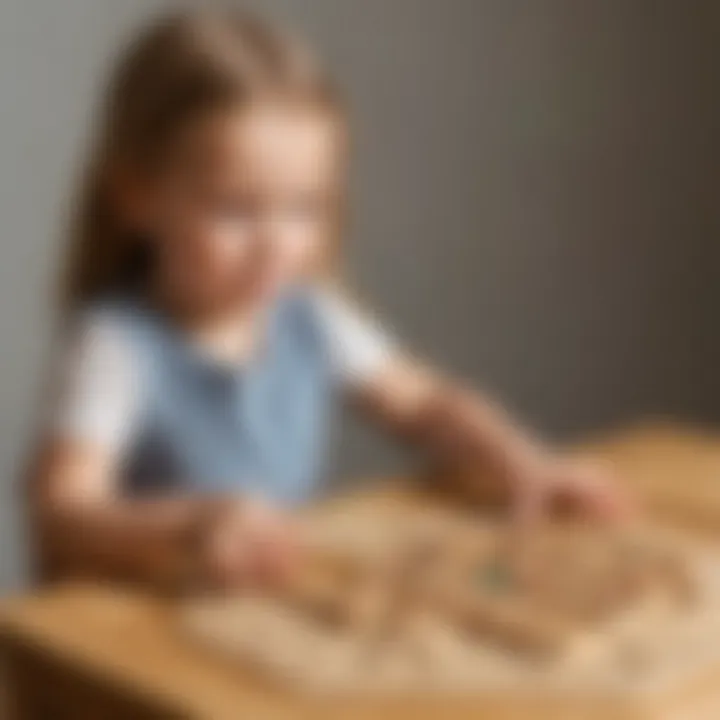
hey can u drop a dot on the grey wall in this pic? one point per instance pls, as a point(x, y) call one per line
point(535, 195)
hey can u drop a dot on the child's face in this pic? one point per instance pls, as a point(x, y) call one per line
point(246, 206)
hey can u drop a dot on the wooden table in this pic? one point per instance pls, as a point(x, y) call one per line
point(101, 653)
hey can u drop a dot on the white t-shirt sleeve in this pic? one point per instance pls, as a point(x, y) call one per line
point(96, 393)
point(359, 346)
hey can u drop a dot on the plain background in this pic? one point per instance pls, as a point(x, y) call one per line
point(535, 197)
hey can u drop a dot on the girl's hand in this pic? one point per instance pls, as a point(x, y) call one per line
point(579, 487)
point(247, 542)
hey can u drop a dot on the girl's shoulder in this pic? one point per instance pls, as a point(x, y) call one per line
point(121, 319)
point(109, 310)
point(106, 329)
point(97, 386)
point(111, 337)
point(358, 344)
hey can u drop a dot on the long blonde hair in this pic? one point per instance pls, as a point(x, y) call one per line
point(182, 66)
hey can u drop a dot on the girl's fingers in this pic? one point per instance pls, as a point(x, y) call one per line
point(230, 560)
point(593, 490)
point(249, 543)
point(275, 557)
point(274, 546)
point(529, 504)
point(614, 504)
point(589, 489)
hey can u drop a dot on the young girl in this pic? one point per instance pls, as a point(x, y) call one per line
point(207, 345)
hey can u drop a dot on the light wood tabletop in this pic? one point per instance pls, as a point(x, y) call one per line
point(88, 651)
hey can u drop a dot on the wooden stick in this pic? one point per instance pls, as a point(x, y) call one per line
point(509, 621)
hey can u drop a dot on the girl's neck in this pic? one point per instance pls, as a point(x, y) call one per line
point(229, 334)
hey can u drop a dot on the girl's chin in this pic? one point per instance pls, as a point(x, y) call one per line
point(264, 291)
point(257, 295)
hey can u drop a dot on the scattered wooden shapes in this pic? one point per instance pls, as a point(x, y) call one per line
point(444, 604)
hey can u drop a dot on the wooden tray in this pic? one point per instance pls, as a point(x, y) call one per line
point(641, 662)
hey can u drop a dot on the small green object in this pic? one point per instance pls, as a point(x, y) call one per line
point(494, 576)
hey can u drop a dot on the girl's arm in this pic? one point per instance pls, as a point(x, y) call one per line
point(469, 435)
point(83, 527)
point(83, 522)
point(465, 431)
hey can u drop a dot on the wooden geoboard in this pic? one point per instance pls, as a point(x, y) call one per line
point(422, 604)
